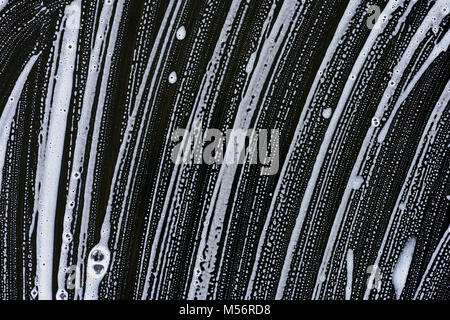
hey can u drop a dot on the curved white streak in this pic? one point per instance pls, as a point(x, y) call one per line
point(347, 92)
point(10, 110)
point(445, 240)
point(222, 190)
point(343, 25)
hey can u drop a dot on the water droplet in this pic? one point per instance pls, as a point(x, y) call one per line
point(181, 33)
point(375, 122)
point(327, 113)
point(173, 77)
point(357, 182)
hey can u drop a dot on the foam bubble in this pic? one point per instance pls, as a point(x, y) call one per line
point(181, 33)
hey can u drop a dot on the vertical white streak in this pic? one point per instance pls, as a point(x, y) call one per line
point(80, 143)
point(349, 189)
point(417, 160)
point(401, 269)
point(200, 103)
point(125, 147)
point(97, 124)
point(93, 282)
point(343, 25)
point(51, 166)
point(215, 217)
point(350, 263)
point(346, 94)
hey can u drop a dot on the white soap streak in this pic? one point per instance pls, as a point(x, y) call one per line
point(440, 257)
point(10, 110)
point(202, 97)
point(93, 281)
point(425, 142)
point(425, 137)
point(141, 264)
point(347, 92)
point(401, 269)
point(342, 27)
point(125, 146)
point(167, 46)
point(50, 166)
point(368, 141)
point(214, 220)
point(249, 70)
point(197, 113)
point(200, 103)
point(194, 123)
point(6, 122)
point(43, 134)
point(350, 264)
point(376, 31)
point(96, 61)
point(438, 49)
point(96, 65)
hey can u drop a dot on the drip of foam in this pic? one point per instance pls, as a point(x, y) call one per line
point(401, 269)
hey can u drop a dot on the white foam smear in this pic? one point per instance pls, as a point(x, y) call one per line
point(99, 62)
point(207, 92)
point(356, 181)
point(147, 274)
point(343, 25)
point(50, 166)
point(90, 190)
point(94, 274)
point(402, 267)
point(327, 139)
